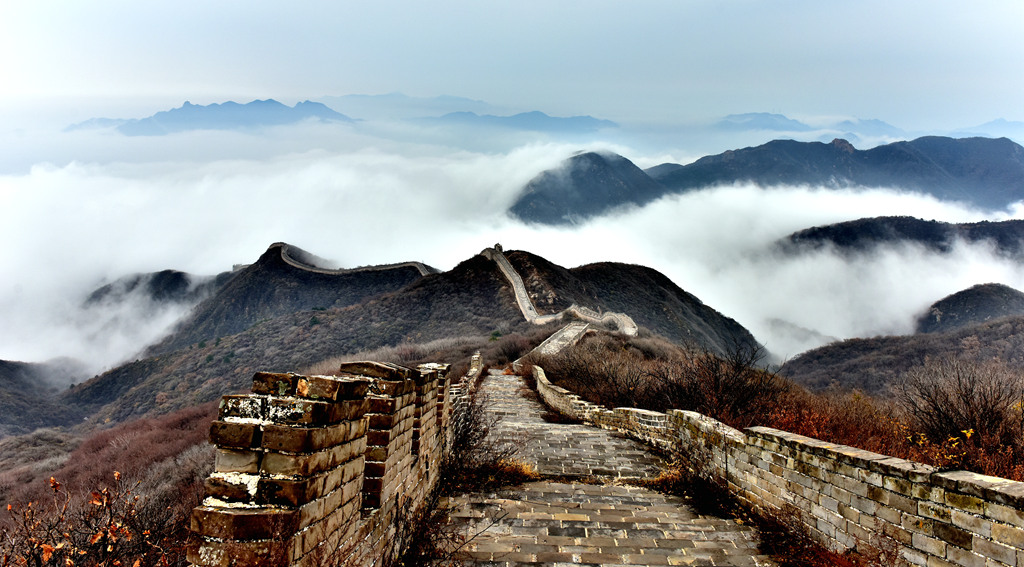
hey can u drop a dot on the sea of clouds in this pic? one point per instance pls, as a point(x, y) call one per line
point(204, 201)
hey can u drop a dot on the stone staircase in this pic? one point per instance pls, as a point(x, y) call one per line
point(583, 513)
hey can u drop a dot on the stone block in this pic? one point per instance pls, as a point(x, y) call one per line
point(964, 502)
point(993, 550)
point(237, 461)
point(964, 557)
point(236, 487)
point(235, 434)
point(306, 440)
point(232, 553)
point(297, 411)
point(245, 406)
point(243, 523)
point(382, 370)
point(332, 388)
point(274, 384)
point(289, 492)
point(953, 535)
point(1004, 513)
point(1008, 535)
point(929, 545)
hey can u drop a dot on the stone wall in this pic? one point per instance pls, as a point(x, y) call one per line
point(319, 470)
point(845, 497)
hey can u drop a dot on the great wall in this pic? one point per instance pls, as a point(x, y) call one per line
point(619, 321)
point(315, 470)
point(298, 258)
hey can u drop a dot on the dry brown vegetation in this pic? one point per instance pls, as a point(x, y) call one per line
point(142, 513)
point(950, 413)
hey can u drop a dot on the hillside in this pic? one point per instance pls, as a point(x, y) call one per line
point(284, 280)
point(872, 364)
point(585, 185)
point(646, 295)
point(977, 304)
point(1006, 237)
point(27, 394)
point(984, 172)
point(473, 299)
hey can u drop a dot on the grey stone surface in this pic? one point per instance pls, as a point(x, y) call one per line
point(601, 522)
point(562, 449)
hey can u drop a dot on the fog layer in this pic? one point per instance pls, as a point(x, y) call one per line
point(358, 201)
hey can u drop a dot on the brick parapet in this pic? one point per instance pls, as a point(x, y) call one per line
point(312, 470)
point(847, 498)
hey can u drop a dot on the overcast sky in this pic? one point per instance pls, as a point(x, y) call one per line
point(78, 209)
point(919, 64)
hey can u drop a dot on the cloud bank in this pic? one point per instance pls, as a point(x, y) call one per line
point(357, 200)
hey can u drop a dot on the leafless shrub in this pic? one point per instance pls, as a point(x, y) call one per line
point(732, 388)
point(948, 397)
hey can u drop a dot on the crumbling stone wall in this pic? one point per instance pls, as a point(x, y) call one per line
point(845, 497)
point(319, 470)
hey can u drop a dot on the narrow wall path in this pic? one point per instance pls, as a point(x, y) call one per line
point(563, 521)
point(624, 323)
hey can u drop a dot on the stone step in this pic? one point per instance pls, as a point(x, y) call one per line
point(547, 523)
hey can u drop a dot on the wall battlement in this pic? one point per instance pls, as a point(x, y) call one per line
point(314, 470)
point(845, 497)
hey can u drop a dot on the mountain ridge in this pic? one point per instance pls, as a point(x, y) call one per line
point(982, 172)
point(228, 115)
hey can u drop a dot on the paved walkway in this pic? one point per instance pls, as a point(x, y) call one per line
point(600, 522)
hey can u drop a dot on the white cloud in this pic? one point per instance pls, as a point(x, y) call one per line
point(357, 199)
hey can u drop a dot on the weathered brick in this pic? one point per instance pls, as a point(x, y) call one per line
point(275, 384)
point(1005, 514)
point(954, 535)
point(230, 486)
point(243, 523)
point(966, 503)
point(999, 552)
point(306, 440)
point(383, 370)
point(930, 545)
point(290, 492)
point(332, 388)
point(231, 553)
point(235, 434)
point(236, 460)
point(964, 557)
point(1010, 535)
point(245, 406)
point(934, 511)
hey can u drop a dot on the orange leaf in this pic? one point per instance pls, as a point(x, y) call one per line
point(96, 537)
point(47, 552)
point(137, 563)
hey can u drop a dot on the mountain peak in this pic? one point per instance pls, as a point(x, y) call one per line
point(586, 184)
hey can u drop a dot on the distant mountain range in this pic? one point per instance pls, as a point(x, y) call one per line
point(226, 116)
point(398, 106)
point(982, 172)
point(535, 121)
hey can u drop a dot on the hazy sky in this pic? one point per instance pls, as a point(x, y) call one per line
point(919, 64)
point(79, 209)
